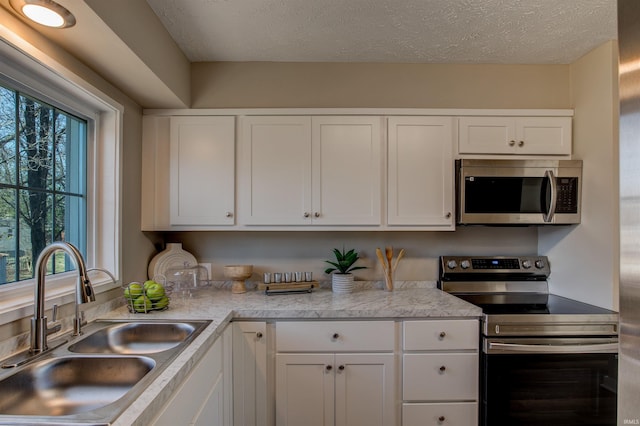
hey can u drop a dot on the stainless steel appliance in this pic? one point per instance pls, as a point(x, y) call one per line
point(629, 47)
point(544, 359)
point(518, 192)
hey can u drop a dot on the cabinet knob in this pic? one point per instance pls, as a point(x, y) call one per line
point(442, 368)
point(306, 214)
point(512, 143)
point(521, 143)
point(259, 335)
point(448, 215)
point(316, 214)
point(228, 214)
point(341, 368)
point(328, 367)
point(441, 419)
point(335, 336)
point(442, 335)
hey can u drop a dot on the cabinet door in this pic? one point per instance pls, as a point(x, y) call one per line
point(202, 170)
point(275, 171)
point(543, 135)
point(346, 179)
point(250, 374)
point(365, 390)
point(305, 389)
point(200, 398)
point(420, 171)
point(486, 135)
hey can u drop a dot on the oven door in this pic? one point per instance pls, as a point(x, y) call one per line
point(550, 381)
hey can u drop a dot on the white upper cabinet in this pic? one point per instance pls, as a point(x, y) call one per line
point(275, 170)
point(298, 170)
point(188, 172)
point(420, 172)
point(346, 170)
point(202, 170)
point(514, 135)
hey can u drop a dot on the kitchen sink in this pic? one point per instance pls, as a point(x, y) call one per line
point(135, 338)
point(92, 378)
point(71, 384)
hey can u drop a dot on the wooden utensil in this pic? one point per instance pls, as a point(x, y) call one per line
point(389, 270)
point(395, 264)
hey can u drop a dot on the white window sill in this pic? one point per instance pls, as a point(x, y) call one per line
point(61, 291)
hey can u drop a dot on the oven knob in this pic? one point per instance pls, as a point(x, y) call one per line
point(465, 264)
point(526, 264)
point(539, 264)
point(452, 264)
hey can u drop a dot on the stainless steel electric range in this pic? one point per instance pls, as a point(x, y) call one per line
point(544, 359)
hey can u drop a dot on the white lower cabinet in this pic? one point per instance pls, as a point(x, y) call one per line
point(440, 373)
point(335, 388)
point(250, 375)
point(439, 414)
point(204, 396)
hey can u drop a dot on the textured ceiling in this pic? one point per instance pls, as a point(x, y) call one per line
point(420, 31)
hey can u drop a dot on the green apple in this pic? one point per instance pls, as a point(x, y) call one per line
point(162, 303)
point(148, 283)
point(133, 290)
point(142, 304)
point(155, 291)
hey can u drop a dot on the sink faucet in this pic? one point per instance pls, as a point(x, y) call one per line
point(84, 294)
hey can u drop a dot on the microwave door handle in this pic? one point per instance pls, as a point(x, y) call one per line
point(548, 217)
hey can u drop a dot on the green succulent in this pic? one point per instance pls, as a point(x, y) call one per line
point(344, 262)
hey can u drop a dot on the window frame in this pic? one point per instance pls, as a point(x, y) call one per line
point(27, 69)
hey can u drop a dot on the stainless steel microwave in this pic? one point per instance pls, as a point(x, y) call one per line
point(518, 192)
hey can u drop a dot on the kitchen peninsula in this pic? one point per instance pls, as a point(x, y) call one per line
point(372, 305)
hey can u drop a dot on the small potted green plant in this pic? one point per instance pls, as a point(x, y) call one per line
point(341, 268)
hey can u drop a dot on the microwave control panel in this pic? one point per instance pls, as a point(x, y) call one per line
point(567, 197)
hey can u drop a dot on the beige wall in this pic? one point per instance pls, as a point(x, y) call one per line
point(344, 85)
point(587, 256)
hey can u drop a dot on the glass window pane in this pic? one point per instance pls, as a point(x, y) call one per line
point(7, 136)
point(70, 154)
point(8, 236)
point(36, 144)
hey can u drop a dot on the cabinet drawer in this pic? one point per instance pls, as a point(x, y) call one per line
point(440, 335)
point(440, 414)
point(334, 336)
point(440, 377)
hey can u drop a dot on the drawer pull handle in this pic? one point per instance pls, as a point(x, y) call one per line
point(442, 335)
point(335, 336)
point(341, 368)
point(441, 419)
point(329, 367)
point(259, 335)
point(442, 368)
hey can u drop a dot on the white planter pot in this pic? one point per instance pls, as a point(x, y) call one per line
point(342, 283)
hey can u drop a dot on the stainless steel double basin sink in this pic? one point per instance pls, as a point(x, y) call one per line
point(93, 378)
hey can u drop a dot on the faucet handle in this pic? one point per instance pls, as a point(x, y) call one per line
point(54, 313)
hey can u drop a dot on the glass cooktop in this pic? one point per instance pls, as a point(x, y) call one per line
point(514, 304)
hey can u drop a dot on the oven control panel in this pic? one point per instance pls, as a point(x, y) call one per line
point(525, 265)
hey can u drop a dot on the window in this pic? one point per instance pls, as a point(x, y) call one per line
point(89, 194)
point(42, 183)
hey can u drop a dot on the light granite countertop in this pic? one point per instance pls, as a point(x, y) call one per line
point(221, 306)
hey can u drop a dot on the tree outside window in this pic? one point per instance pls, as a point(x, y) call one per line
point(42, 183)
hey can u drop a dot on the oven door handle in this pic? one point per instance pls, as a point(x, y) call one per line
point(497, 347)
point(548, 216)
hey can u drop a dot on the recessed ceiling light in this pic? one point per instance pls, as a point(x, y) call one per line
point(44, 12)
